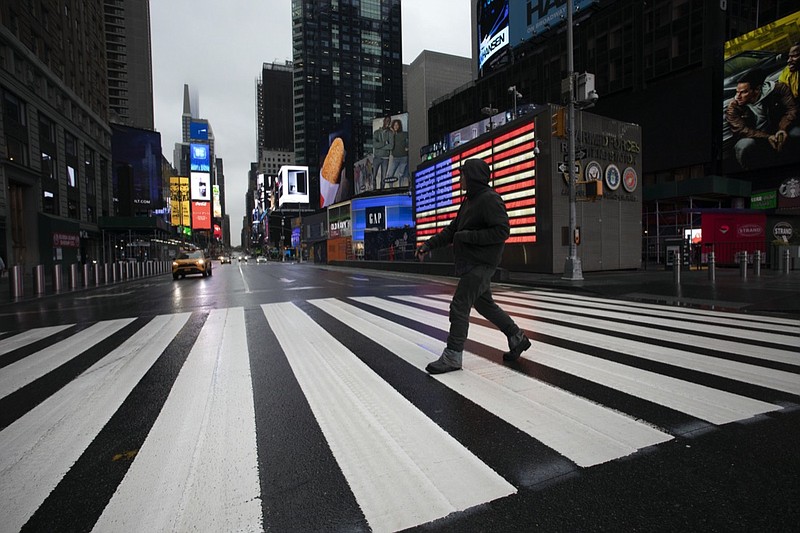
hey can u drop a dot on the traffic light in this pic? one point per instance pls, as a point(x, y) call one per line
point(594, 189)
point(558, 123)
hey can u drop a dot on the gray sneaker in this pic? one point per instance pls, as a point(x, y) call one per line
point(517, 344)
point(449, 360)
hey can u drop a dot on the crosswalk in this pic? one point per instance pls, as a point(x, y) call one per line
point(318, 415)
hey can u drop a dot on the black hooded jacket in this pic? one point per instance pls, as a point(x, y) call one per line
point(480, 229)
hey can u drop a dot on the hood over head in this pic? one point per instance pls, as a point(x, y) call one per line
point(476, 175)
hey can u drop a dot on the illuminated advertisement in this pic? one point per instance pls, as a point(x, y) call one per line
point(201, 186)
point(293, 185)
point(179, 201)
point(198, 130)
point(388, 166)
point(335, 184)
point(136, 171)
point(492, 31)
point(380, 213)
point(216, 203)
point(201, 215)
point(510, 155)
point(199, 157)
point(760, 97)
point(529, 18)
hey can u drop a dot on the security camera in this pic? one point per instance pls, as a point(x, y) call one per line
point(593, 97)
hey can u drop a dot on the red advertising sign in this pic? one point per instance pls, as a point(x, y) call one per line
point(66, 240)
point(734, 232)
point(201, 215)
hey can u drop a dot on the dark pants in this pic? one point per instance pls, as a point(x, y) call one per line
point(474, 290)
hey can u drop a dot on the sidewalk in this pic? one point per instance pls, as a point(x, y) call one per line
point(770, 292)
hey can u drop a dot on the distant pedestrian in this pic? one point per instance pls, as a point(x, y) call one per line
point(478, 234)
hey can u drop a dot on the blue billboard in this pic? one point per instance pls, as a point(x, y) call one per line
point(198, 130)
point(492, 31)
point(199, 157)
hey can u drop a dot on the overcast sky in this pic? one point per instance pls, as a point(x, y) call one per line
point(218, 48)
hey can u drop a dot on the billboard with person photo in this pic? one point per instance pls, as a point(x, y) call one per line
point(389, 152)
point(761, 123)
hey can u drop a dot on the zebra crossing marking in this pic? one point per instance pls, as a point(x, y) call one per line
point(582, 431)
point(28, 337)
point(744, 372)
point(204, 437)
point(22, 372)
point(39, 448)
point(403, 469)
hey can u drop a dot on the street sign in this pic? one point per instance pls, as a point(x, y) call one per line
point(564, 168)
point(580, 154)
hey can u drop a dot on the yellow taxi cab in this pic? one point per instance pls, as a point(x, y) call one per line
point(191, 262)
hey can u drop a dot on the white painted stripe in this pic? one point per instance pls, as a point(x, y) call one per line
point(688, 339)
point(584, 432)
point(648, 320)
point(726, 316)
point(198, 468)
point(22, 372)
point(737, 371)
point(28, 337)
point(39, 448)
point(403, 469)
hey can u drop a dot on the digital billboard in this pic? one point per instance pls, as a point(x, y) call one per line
point(198, 130)
point(201, 215)
point(201, 186)
point(528, 18)
point(761, 124)
point(335, 183)
point(293, 185)
point(492, 32)
point(216, 202)
point(179, 201)
point(510, 155)
point(137, 166)
point(199, 157)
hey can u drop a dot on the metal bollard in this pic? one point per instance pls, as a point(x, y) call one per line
point(785, 268)
point(712, 267)
point(87, 274)
point(38, 279)
point(743, 264)
point(107, 273)
point(16, 286)
point(757, 263)
point(58, 278)
point(97, 274)
point(676, 269)
point(73, 276)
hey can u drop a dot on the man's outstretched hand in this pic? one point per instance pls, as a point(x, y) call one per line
point(421, 250)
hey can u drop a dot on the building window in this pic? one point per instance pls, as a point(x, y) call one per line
point(49, 202)
point(17, 151)
point(13, 109)
point(48, 167)
point(72, 176)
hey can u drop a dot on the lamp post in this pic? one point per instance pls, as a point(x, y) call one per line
point(513, 90)
point(572, 265)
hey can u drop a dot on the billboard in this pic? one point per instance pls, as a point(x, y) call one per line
point(198, 130)
point(293, 185)
point(493, 36)
point(528, 18)
point(335, 183)
point(216, 202)
point(761, 127)
point(199, 157)
point(201, 186)
point(136, 171)
point(389, 161)
point(179, 200)
point(510, 155)
point(201, 215)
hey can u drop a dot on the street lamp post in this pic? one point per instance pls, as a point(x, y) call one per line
point(572, 265)
point(513, 90)
point(490, 111)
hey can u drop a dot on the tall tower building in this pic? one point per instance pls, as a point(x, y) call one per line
point(347, 71)
point(274, 103)
point(129, 58)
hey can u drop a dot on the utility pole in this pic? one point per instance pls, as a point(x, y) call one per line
point(572, 265)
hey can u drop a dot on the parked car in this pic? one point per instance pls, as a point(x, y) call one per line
point(194, 262)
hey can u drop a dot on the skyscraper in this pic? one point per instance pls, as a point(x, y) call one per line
point(347, 71)
point(130, 68)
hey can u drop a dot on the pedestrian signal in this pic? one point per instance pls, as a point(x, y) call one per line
point(594, 189)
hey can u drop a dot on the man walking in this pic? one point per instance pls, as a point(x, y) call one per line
point(478, 234)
